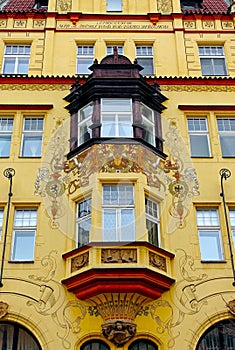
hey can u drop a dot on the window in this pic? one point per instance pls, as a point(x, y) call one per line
point(212, 60)
point(85, 57)
point(218, 336)
point(6, 126)
point(116, 116)
point(232, 222)
point(32, 137)
point(15, 337)
point(95, 345)
point(24, 233)
point(83, 221)
point(148, 124)
point(113, 5)
point(118, 213)
point(110, 48)
point(143, 344)
point(16, 59)
point(1, 221)
point(152, 221)
point(226, 128)
point(209, 235)
point(84, 123)
point(198, 137)
point(144, 56)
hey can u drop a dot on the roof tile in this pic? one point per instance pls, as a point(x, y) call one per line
point(210, 6)
point(21, 6)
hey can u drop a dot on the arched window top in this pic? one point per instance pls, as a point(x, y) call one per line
point(14, 336)
point(143, 344)
point(95, 345)
point(219, 336)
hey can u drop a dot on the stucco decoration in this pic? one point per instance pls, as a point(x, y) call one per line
point(80, 261)
point(118, 256)
point(58, 178)
point(164, 6)
point(158, 261)
point(119, 332)
point(231, 306)
point(53, 302)
point(63, 5)
point(3, 309)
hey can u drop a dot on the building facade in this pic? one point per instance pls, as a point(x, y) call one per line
point(117, 146)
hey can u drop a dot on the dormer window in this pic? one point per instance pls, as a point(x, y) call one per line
point(191, 4)
point(41, 3)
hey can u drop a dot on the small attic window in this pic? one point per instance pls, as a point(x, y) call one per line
point(41, 3)
point(191, 4)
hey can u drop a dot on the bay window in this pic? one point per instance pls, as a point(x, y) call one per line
point(83, 222)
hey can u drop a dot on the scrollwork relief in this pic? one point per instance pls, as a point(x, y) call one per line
point(118, 256)
point(79, 261)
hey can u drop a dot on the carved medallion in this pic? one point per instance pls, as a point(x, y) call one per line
point(3, 309)
point(119, 332)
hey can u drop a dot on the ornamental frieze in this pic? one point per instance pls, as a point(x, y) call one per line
point(158, 261)
point(79, 261)
point(36, 87)
point(118, 256)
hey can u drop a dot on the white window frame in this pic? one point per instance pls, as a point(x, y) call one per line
point(24, 232)
point(112, 117)
point(209, 232)
point(1, 221)
point(226, 129)
point(114, 5)
point(198, 129)
point(145, 54)
point(152, 221)
point(16, 54)
point(116, 201)
point(83, 221)
point(148, 124)
point(33, 133)
point(85, 58)
point(232, 223)
point(109, 49)
point(6, 129)
point(84, 123)
point(212, 55)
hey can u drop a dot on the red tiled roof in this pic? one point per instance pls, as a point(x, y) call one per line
point(21, 6)
point(210, 6)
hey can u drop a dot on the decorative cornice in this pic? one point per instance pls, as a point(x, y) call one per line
point(35, 87)
point(198, 88)
point(206, 107)
point(25, 107)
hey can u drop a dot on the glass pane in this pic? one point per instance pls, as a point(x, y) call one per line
point(109, 225)
point(127, 225)
point(114, 5)
point(5, 144)
point(23, 247)
point(148, 132)
point(124, 126)
point(32, 145)
point(210, 245)
point(9, 66)
point(152, 228)
point(232, 217)
point(206, 66)
point(207, 217)
point(25, 217)
point(219, 66)
point(26, 341)
point(147, 64)
point(116, 105)
point(147, 112)
point(86, 112)
point(23, 64)
point(199, 146)
point(227, 143)
point(108, 126)
point(6, 124)
point(6, 336)
point(83, 64)
point(83, 232)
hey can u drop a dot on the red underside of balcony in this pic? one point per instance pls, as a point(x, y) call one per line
point(143, 281)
